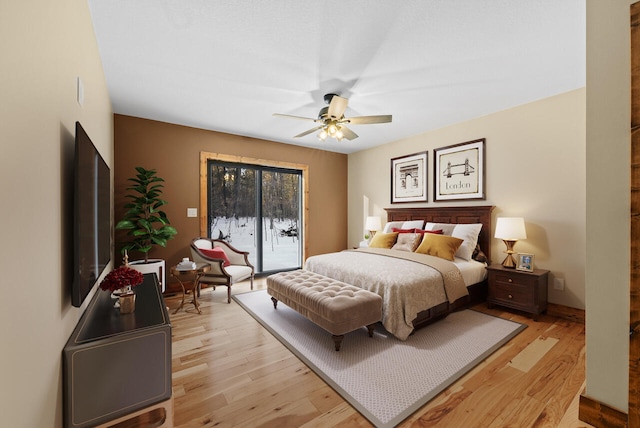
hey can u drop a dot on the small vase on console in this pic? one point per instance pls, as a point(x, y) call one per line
point(120, 282)
point(127, 302)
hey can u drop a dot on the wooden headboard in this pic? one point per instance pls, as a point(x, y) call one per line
point(473, 214)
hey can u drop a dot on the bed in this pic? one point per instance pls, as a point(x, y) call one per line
point(415, 294)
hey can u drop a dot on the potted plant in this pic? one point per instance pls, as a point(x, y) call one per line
point(146, 224)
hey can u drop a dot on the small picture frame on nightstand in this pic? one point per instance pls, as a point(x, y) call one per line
point(525, 262)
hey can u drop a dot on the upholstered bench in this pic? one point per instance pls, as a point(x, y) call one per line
point(335, 306)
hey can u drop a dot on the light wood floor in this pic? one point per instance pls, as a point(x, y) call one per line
point(228, 371)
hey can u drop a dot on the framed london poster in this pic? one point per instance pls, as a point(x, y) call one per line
point(409, 178)
point(459, 171)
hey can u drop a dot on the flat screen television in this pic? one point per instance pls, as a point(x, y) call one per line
point(92, 216)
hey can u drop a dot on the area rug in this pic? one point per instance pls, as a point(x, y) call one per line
point(386, 379)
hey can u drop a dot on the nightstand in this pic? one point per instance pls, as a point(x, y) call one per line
point(525, 291)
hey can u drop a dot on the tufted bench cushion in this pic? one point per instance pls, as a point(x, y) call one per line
point(335, 306)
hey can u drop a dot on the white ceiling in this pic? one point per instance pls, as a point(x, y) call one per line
point(228, 65)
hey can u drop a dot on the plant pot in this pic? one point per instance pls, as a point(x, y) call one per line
point(156, 266)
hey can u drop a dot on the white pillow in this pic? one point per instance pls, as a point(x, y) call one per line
point(469, 234)
point(412, 224)
point(390, 225)
point(447, 228)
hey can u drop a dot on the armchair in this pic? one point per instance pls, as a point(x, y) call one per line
point(227, 266)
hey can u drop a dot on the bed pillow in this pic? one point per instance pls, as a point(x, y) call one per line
point(216, 253)
point(437, 232)
point(388, 228)
point(447, 228)
point(410, 224)
point(383, 240)
point(395, 229)
point(479, 255)
point(441, 246)
point(413, 224)
point(407, 242)
point(469, 234)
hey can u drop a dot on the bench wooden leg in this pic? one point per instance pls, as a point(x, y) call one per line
point(337, 340)
point(275, 302)
point(370, 329)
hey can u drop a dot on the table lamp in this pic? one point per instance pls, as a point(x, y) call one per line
point(510, 229)
point(373, 224)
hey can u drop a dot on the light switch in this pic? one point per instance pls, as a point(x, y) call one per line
point(80, 91)
point(192, 212)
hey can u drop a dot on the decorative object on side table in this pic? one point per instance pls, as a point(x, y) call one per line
point(525, 262)
point(186, 264)
point(510, 229)
point(146, 224)
point(120, 282)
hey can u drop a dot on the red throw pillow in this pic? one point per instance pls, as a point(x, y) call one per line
point(435, 232)
point(395, 229)
point(216, 253)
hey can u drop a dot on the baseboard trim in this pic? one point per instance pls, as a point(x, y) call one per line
point(599, 414)
point(565, 312)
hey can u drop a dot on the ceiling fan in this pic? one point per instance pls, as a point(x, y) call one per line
point(332, 121)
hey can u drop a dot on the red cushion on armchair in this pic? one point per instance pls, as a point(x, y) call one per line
point(216, 253)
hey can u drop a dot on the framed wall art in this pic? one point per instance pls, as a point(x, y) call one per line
point(525, 262)
point(459, 171)
point(409, 178)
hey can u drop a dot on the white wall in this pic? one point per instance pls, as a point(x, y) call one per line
point(45, 45)
point(608, 205)
point(535, 168)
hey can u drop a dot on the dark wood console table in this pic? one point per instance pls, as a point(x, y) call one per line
point(117, 364)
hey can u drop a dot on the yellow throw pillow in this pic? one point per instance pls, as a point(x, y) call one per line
point(442, 246)
point(383, 240)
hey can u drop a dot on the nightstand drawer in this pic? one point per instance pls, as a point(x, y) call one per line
point(513, 294)
point(514, 279)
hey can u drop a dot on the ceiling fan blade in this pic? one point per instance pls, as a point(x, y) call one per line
point(309, 131)
point(364, 120)
point(289, 116)
point(337, 106)
point(347, 133)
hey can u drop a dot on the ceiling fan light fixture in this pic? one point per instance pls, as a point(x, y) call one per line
point(331, 120)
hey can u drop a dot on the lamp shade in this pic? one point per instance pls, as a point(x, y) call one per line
point(510, 228)
point(373, 223)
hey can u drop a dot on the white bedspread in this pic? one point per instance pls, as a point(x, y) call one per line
point(406, 287)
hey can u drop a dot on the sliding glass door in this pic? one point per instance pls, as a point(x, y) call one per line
point(257, 209)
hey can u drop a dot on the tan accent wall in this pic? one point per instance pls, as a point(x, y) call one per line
point(535, 168)
point(174, 151)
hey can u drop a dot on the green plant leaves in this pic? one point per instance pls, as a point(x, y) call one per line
point(146, 225)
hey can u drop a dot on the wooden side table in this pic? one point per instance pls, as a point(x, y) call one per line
point(182, 274)
point(525, 291)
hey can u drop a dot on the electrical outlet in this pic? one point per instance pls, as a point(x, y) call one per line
point(558, 284)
